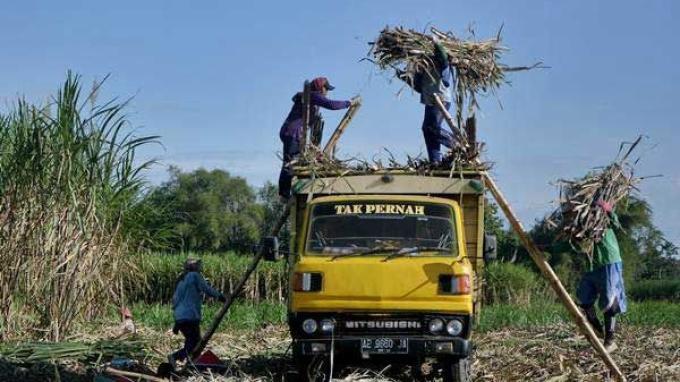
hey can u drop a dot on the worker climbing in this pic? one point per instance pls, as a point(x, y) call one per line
point(604, 280)
point(292, 129)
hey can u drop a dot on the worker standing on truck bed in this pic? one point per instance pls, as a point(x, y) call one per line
point(186, 305)
point(438, 82)
point(291, 131)
point(605, 279)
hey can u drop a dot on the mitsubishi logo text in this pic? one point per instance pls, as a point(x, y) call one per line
point(382, 325)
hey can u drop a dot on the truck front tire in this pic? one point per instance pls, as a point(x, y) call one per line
point(456, 369)
point(311, 368)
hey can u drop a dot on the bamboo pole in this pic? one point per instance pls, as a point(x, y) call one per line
point(239, 287)
point(543, 265)
point(137, 376)
point(329, 150)
point(305, 115)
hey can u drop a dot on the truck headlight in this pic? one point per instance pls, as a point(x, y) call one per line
point(454, 327)
point(436, 326)
point(309, 326)
point(327, 325)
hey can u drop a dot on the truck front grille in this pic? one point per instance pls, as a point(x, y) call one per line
point(379, 324)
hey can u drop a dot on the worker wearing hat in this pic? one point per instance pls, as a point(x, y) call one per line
point(291, 131)
point(604, 282)
point(186, 306)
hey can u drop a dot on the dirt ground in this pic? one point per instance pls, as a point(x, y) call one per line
point(551, 353)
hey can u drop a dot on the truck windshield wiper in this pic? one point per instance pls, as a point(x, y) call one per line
point(407, 251)
point(364, 252)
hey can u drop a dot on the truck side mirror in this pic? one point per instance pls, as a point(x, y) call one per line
point(490, 248)
point(270, 248)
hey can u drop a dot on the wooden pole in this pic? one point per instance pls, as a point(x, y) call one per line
point(549, 274)
point(136, 376)
point(544, 266)
point(239, 287)
point(458, 132)
point(344, 122)
point(306, 106)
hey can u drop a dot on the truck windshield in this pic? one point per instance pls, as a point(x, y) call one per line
point(377, 227)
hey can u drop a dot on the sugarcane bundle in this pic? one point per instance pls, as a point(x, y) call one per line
point(103, 350)
point(477, 70)
point(579, 217)
point(411, 52)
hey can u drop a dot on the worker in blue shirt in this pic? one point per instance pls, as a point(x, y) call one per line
point(186, 306)
point(291, 130)
point(440, 82)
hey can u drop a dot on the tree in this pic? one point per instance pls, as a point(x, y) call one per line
point(212, 211)
point(507, 241)
point(268, 197)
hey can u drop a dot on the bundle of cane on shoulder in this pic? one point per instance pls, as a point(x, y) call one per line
point(477, 65)
point(578, 219)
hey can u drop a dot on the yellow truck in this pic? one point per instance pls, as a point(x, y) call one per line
point(383, 269)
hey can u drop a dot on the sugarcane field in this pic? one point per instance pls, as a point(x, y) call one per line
point(348, 191)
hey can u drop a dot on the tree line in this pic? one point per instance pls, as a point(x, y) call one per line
point(212, 210)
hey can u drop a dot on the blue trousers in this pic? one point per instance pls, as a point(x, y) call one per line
point(192, 335)
point(604, 285)
point(435, 135)
point(291, 149)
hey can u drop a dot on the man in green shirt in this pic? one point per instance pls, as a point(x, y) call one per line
point(604, 280)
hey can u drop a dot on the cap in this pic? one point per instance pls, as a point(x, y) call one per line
point(192, 264)
point(319, 83)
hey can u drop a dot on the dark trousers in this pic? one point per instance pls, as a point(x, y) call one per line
point(291, 149)
point(191, 331)
point(435, 135)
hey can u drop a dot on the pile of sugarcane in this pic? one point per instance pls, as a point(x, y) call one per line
point(315, 161)
point(411, 52)
point(99, 351)
point(477, 63)
point(477, 70)
point(579, 217)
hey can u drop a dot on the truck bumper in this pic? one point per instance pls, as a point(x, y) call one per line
point(418, 347)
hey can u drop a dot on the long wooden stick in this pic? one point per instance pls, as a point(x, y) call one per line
point(137, 376)
point(544, 266)
point(306, 106)
point(344, 122)
point(239, 287)
point(549, 274)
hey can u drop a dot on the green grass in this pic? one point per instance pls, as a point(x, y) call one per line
point(241, 316)
point(252, 316)
point(223, 270)
point(665, 289)
point(646, 313)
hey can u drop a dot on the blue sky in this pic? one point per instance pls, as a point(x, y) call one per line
point(214, 79)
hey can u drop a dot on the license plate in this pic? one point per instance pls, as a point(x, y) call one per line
point(384, 345)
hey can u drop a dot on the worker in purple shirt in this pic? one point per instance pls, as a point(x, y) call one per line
point(291, 131)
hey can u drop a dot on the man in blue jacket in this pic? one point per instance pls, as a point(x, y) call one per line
point(291, 131)
point(438, 82)
point(186, 306)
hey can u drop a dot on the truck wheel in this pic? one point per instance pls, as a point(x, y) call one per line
point(311, 368)
point(456, 369)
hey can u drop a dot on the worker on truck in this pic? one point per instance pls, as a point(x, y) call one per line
point(291, 131)
point(186, 306)
point(604, 280)
point(437, 82)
